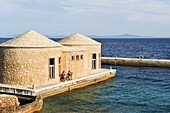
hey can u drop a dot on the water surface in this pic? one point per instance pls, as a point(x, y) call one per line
point(133, 90)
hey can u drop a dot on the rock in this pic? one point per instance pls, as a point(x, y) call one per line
point(9, 103)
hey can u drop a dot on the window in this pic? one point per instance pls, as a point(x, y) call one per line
point(94, 61)
point(72, 58)
point(99, 60)
point(81, 56)
point(59, 65)
point(77, 57)
point(51, 68)
point(94, 56)
point(59, 60)
point(51, 61)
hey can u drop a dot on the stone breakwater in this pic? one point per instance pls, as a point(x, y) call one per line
point(135, 62)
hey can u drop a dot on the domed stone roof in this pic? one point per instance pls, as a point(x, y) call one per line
point(78, 39)
point(70, 49)
point(30, 39)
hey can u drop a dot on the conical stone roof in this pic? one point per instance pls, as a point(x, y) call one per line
point(69, 49)
point(30, 39)
point(78, 39)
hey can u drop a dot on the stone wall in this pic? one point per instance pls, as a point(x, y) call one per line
point(28, 66)
point(77, 66)
point(9, 104)
point(91, 49)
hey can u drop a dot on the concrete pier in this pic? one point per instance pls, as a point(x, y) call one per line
point(52, 89)
point(41, 92)
point(135, 62)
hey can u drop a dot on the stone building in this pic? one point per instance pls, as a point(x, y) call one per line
point(33, 59)
point(93, 48)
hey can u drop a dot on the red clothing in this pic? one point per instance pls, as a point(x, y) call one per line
point(63, 74)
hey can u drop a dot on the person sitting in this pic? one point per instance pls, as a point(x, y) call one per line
point(69, 75)
point(64, 75)
point(61, 78)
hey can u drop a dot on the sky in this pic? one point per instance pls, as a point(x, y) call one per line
point(89, 17)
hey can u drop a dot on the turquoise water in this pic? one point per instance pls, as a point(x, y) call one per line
point(134, 90)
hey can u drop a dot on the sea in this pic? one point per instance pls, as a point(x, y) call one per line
point(133, 90)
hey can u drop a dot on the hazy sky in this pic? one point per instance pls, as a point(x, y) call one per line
point(89, 17)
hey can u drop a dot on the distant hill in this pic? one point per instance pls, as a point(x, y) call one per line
point(93, 36)
point(104, 36)
point(122, 36)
